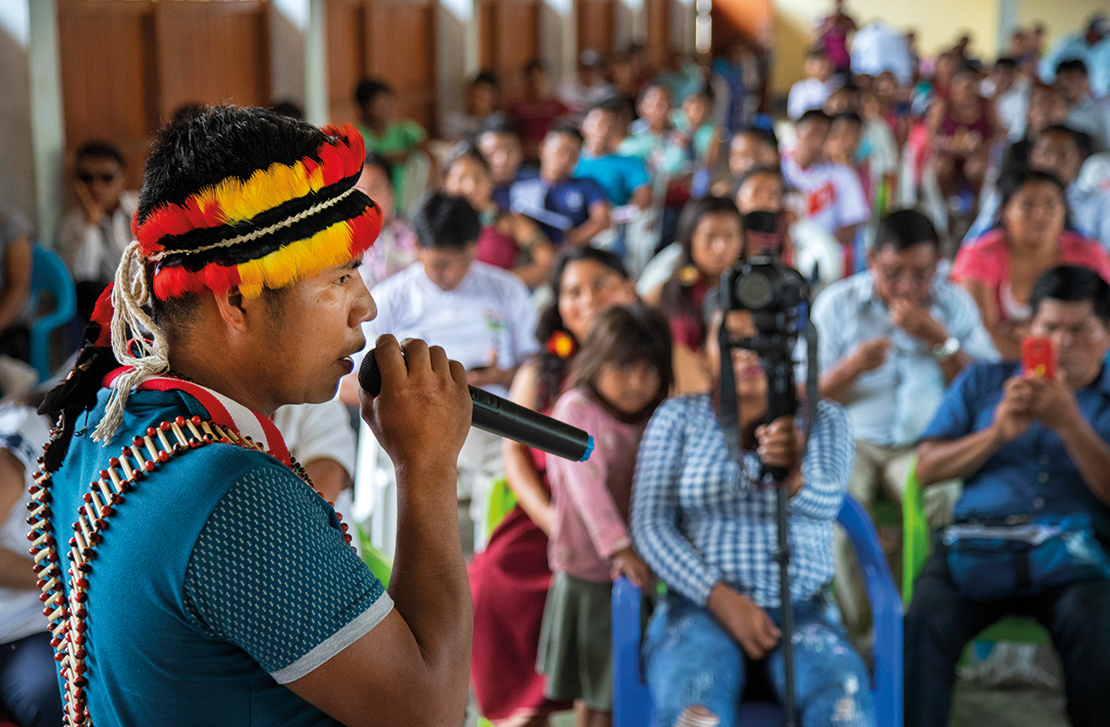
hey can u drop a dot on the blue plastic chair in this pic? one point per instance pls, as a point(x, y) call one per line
point(49, 274)
point(632, 706)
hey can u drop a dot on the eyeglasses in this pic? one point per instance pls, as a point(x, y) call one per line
point(89, 178)
point(919, 276)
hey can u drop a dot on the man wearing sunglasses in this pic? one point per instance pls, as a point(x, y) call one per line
point(93, 236)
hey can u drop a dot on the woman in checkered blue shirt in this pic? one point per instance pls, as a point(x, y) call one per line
point(706, 526)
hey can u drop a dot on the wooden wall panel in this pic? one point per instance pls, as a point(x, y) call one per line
point(509, 37)
point(400, 48)
point(596, 25)
point(108, 83)
point(658, 30)
point(212, 52)
point(346, 22)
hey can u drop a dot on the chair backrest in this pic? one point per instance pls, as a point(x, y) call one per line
point(49, 274)
point(632, 705)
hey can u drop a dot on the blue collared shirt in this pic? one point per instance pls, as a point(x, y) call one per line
point(892, 403)
point(1033, 474)
point(697, 519)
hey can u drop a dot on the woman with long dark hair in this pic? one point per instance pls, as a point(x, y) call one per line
point(510, 578)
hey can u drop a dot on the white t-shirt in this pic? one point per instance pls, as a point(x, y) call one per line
point(22, 432)
point(833, 194)
point(487, 317)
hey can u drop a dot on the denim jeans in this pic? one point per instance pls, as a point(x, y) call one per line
point(29, 689)
point(691, 660)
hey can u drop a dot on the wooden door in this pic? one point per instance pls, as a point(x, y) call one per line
point(508, 38)
point(596, 25)
point(127, 65)
point(658, 30)
point(392, 40)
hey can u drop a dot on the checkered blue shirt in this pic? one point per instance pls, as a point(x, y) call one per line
point(697, 520)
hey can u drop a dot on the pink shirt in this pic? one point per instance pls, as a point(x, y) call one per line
point(986, 260)
point(591, 498)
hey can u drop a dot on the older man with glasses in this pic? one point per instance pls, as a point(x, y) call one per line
point(890, 340)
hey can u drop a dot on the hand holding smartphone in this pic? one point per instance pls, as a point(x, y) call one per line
point(1038, 357)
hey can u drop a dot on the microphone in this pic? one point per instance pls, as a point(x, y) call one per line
point(505, 419)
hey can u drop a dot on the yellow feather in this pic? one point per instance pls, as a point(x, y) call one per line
point(297, 261)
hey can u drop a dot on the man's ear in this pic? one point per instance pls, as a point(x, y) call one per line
point(230, 306)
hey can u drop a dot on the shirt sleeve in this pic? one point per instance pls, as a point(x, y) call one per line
point(955, 415)
point(827, 316)
point(830, 454)
point(271, 573)
point(586, 483)
point(636, 174)
point(593, 192)
point(523, 320)
point(655, 508)
point(967, 326)
point(851, 202)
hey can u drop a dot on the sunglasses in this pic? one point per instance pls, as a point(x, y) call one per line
point(88, 178)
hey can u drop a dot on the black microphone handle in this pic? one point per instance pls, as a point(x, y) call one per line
point(505, 419)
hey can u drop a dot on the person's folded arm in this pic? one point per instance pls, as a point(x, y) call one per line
point(826, 465)
point(655, 532)
point(586, 484)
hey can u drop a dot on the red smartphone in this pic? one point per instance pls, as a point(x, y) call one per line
point(1038, 356)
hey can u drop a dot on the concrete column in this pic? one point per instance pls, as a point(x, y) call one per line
point(683, 17)
point(17, 183)
point(631, 24)
point(316, 99)
point(559, 38)
point(288, 56)
point(458, 54)
point(47, 122)
point(1009, 12)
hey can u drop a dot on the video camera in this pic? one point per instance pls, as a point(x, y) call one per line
point(776, 296)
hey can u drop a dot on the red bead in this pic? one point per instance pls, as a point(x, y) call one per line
point(163, 456)
point(149, 465)
point(164, 426)
point(179, 421)
point(87, 497)
point(151, 431)
point(79, 639)
point(82, 583)
point(59, 657)
point(44, 596)
point(81, 626)
point(114, 462)
point(80, 668)
point(101, 523)
point(81, 596)
point(107, 511)
point(55, 642)
point(137, 441)
point(195, 420)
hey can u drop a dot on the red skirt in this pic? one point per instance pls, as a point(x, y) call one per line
point(508, 582)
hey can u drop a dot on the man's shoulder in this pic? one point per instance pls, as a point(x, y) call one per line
point(985, 376)
point(396, 284)
point(493, 279)
point(842, 297)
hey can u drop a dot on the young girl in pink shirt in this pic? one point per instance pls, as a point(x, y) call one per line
point(621, 374)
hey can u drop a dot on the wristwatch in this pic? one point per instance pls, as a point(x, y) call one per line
point(948, 349)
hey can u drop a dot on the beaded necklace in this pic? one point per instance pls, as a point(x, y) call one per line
point(105, 494)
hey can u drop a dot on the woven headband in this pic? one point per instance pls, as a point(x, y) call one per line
point(284, 223)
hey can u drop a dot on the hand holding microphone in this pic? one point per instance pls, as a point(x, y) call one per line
point(491, 413)
point(423, 414)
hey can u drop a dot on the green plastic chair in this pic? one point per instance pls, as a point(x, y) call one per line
point(380, 564)
point(502, 500)
point(915, 551)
